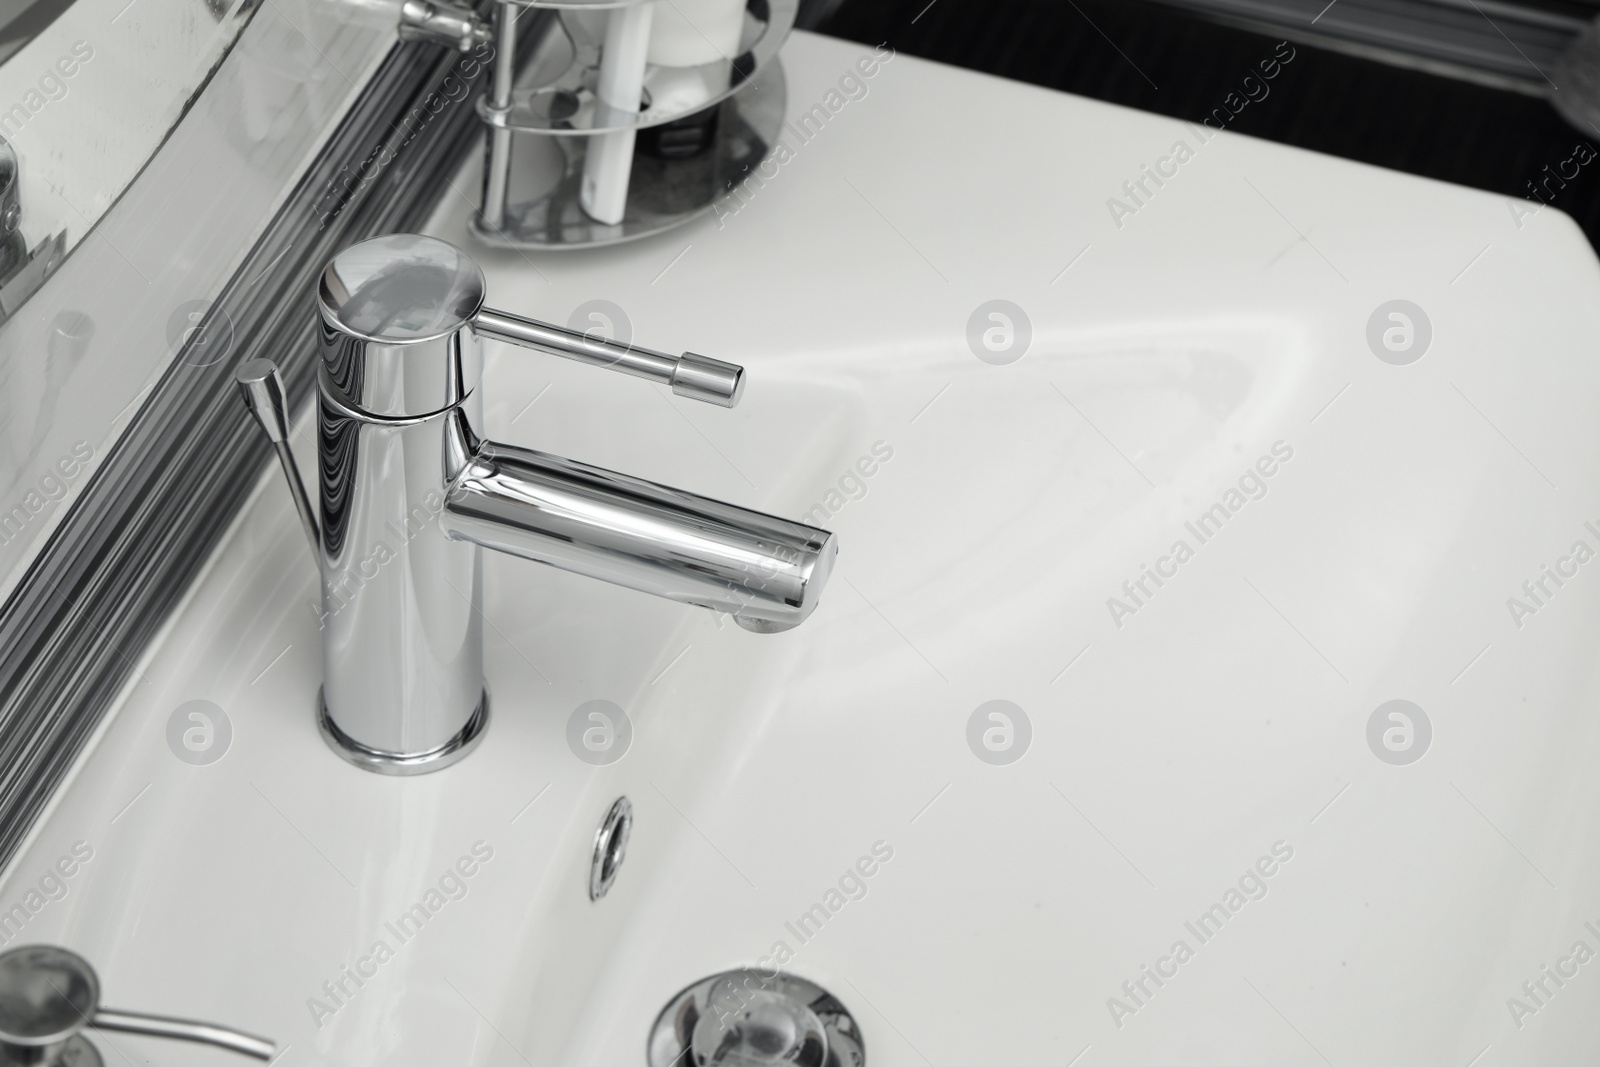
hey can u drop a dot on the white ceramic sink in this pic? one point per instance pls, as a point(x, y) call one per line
point(1211, 729)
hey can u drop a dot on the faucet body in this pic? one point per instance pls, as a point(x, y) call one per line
point(402, 619)
point(410, 493)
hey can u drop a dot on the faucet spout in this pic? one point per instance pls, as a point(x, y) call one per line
point(767, 572)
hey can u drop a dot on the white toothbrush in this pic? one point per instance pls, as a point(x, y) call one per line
point(609, 162)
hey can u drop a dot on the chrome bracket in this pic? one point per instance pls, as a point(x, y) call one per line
point(443, 23)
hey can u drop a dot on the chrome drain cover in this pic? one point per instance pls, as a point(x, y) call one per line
point(751, 1019)
point(610, 847)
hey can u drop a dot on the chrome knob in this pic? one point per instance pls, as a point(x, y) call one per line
point(262, 388)
point(399, 306)
point(48, 995)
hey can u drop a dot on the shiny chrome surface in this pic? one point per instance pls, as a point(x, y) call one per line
point(402, 630)
point(749, 1018)
point(262, 388)
point(393, 311)
point(130, 1022)
point(443, 23)
point(409, 492)
point(21, 272)
point(739, 98)
point(694, 376)
point(49, 994)
point(663, 193)
point(404, 763)
point(13, 247)
point(610, 847)
point(766, 572)
point(497, 101)
point(570, 105)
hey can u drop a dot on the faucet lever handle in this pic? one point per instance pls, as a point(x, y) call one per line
point(690, 375)
point(261, 386)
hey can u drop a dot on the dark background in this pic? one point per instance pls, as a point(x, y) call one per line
point(1326, 101)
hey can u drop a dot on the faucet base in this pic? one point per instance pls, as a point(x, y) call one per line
point(403, 763)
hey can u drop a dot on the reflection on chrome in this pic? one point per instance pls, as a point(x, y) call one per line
point(410, 492)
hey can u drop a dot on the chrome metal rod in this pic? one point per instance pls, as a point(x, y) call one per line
point(497, 164)
point(297, 489)
point(690, 375)
point(766, 571)
point(261, 386)
point(443, 23)
point(505, 45)
point(183, 1030)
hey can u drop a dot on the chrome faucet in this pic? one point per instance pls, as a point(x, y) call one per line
point(410, 493)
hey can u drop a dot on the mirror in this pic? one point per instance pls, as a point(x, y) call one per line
point(89, 89)
point(21, 23)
